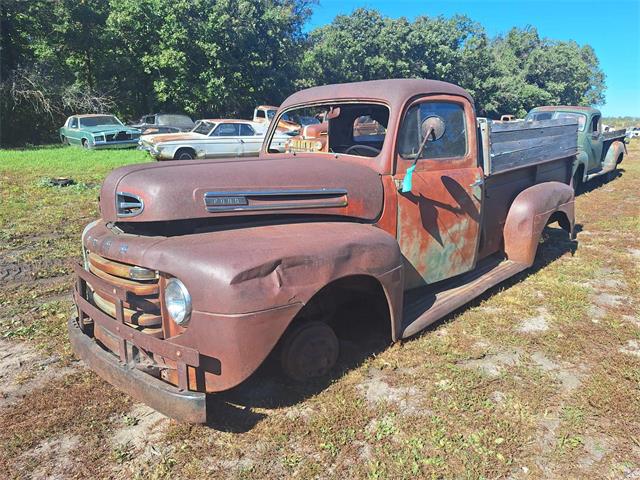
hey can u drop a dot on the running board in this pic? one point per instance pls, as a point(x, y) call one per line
point(425, 305)
point(591, 176)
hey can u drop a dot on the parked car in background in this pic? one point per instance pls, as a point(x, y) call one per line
point(599, 152)
point(215, 138)
point(201, 269)
point(263, 114)
point(633, 132)
point(98, 131)
point(164, 123)
point(508, 118)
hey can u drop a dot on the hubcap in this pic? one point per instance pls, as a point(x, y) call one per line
point(310, 350)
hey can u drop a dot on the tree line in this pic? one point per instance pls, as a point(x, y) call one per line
point(222, 57)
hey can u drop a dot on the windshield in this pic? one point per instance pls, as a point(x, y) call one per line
point(99, 120)
point(175, 120)
point(346, 128)
point(203, 127)
point(549, 115)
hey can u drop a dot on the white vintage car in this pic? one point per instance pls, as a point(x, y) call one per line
point(217, 138)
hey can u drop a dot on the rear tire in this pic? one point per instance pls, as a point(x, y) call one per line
point(309, 350)
point(184, 154)
point(576, 181)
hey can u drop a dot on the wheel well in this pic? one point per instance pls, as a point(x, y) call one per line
point(184, 149)
point(83, 141)
point(620, 157)
point(562, 220)
point(352, 305)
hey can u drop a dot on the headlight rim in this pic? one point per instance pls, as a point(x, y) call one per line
point(187, 301)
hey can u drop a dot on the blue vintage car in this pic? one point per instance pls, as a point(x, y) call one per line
point(98, 131)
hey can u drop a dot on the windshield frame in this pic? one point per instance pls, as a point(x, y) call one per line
point(272, 132)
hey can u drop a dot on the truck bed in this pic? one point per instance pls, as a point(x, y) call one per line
point(516, 156)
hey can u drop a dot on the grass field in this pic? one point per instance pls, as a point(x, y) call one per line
point(539, 378)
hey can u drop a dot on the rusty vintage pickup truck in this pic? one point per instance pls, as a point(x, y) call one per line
point(195, 273)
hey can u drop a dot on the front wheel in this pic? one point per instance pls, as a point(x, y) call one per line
point(309, 350)
point(576, 181)
point(85, 144)
point(185, 154)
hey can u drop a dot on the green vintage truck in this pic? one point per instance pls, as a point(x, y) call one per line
point(599, 153)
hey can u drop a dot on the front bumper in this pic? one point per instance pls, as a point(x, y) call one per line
point(183, 405)
point(177, 402)
point(116, 144)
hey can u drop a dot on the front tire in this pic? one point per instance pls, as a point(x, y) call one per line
point(309, 350)
point(576, 181)
point(184, 154)
point(85, 144)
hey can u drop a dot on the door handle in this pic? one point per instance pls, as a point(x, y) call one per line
point(477, 183)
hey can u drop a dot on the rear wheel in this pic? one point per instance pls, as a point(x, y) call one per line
point(309, 350)
point(184, 154)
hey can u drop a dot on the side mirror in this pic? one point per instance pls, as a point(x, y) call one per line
point(433, 128)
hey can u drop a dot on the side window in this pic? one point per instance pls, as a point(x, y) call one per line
point(452, 143)
point(151, 120)
point(260, 114)
point(73, 123)
point(595, 124)
point(246, 130)
point(226, 130)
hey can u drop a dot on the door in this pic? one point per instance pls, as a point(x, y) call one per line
point(595, 130)
point(250, 143)
point(73, 132)
point(224, 141)
point(439, 218)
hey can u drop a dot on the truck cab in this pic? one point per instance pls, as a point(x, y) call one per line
point(393, 197)
point(600, 152)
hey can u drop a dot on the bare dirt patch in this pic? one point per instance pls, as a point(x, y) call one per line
point(24, 370)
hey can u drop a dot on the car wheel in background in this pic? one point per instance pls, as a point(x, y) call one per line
point(184, 154)
point(64, 140)
point(85, 144)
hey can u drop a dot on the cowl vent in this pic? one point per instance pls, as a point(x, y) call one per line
point(128, 204)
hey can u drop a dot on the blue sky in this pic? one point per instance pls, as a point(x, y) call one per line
point(611, 27)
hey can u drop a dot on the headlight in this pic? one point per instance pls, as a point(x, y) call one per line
point(98, 138)
point(177, 301)
point(318, 146)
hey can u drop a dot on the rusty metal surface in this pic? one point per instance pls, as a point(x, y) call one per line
point(529, 214)
point(186, 406)
point(439, 220)
point(174, 191)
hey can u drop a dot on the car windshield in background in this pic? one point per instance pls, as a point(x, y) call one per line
point(537, 116)
point(356, 129)
point(100, 120)
point(271, 114)
point(204, 128)
point(175, 120)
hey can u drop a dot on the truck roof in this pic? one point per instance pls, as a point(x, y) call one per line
point(566, 108)
point(394, 92)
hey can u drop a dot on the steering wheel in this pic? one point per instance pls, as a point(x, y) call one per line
point(357, 146)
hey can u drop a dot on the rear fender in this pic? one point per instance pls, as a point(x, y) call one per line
point(530, 213)
point(611, 158)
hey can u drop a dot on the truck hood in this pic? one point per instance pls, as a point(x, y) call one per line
point(215, 188)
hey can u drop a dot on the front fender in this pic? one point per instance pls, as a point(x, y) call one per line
point(529, 214)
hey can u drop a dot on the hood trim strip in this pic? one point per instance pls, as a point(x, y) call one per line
point(332, 198)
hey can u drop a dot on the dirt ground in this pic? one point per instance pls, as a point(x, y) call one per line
point(539, 378)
